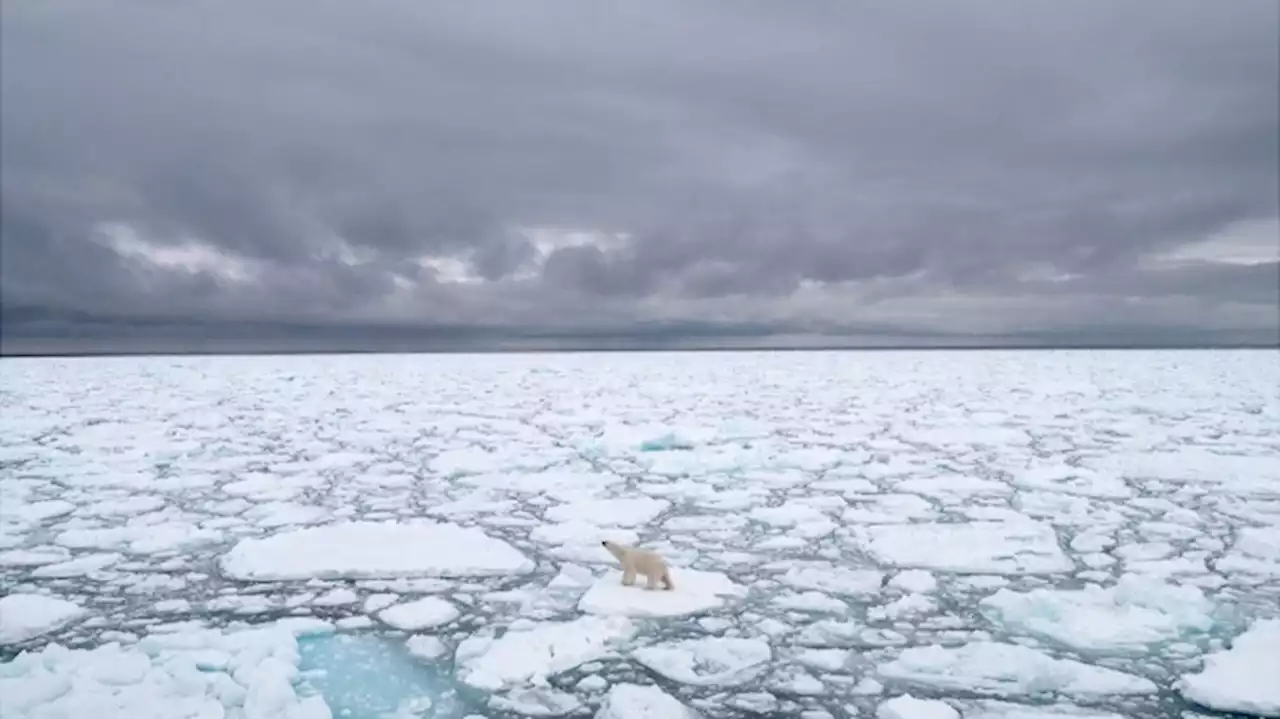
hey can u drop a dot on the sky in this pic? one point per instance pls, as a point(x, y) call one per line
point(315, 174)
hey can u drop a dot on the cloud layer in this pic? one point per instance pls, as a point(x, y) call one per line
point(1025, 172)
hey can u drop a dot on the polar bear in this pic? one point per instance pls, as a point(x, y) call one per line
point(640, 561)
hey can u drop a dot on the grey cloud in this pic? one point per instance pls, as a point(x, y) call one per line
point(748, 149)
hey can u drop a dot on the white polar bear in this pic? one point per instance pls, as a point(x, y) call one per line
point(640, 561)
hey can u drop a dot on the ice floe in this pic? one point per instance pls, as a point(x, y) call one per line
point(419, 614)
point(710, 661)
point(634, 701)
point(695, 591)
point(529, 656)
point(1008, 670)
point(27, 616)
point(368, 549)
point(1244, 678)
point(1019, 547)
point(1129, 617)
point(909, 707)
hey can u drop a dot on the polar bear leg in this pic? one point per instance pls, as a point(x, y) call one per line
point(651, 580)
point(628, 576)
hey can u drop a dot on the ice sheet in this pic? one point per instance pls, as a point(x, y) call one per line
point(1244, 678)
point(694, 592)
point(27, 616)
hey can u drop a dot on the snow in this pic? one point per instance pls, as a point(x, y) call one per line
point(713, 661)
point(633, 701)
point(367, 549)
point(531, 655)
point(694, 592)
point(1129, 617)
point(1069, 528)
point(27, 616)
point(1007, 669)
point(909, 707)
point(1244, 678)
point(420, 614)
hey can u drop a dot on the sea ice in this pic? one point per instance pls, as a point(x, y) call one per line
point(617, 512)
point(1244, 678)
point(192, 673)
point(420, 614)
point(27, 616)
point(529, 656)
point(633, 701)
point(1022, 547)
point(908, 707)
point(694, 592)
point(1007, 670)
point(1256, 552)
point(709, 661)
point(78, 567)
point(827, 577)
point(366, 549)
point(1129, 617)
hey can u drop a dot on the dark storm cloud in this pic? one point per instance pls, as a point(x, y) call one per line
point(770, 166)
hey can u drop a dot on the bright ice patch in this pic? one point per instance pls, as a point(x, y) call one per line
point(908, 707)
point(1129, 617)
point(1244, 678)
point(193, 673)
point(531, 655)
point(711, 661)
point(1008, 670)
point(27, 616)
point(420, 614)
point(365, 549)
point(694, 592)
point(633, 701)
point(1021, 547)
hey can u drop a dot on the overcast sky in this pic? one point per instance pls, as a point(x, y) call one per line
point(1029, 170)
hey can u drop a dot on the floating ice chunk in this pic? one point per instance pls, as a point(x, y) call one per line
point(140, 538)
point(27, 616)
point(1072, 480)
point(791, 514)
point(618, 512)
point(887, 509)
point(78, 567)
point(1244, 678)
point(536, 701)
point(1256, 552)
point(584, 533)
point(283, 514)
point(529, 656)
point(704, 522)
point(420, 614)
point(188, 673)
point(810, 602)
point(1006, 670)
point(827, 577)
point(33, 557)
point(709, 661)
point(633, 701)
point(694, 592)
point(336, 598)
point(1023, 547)
point(426, 647)
point(952, 487)
point(19, 513)
point(366, 549)
point(908, 707)
point(996, 709)
point(1128, 618)
point(908, 606)
point(826, 660)
point(132, 505)
point(914, 580)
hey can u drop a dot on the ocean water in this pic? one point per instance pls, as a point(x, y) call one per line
point(1016, 534)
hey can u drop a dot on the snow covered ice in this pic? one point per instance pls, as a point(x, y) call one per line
point(998, 535)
